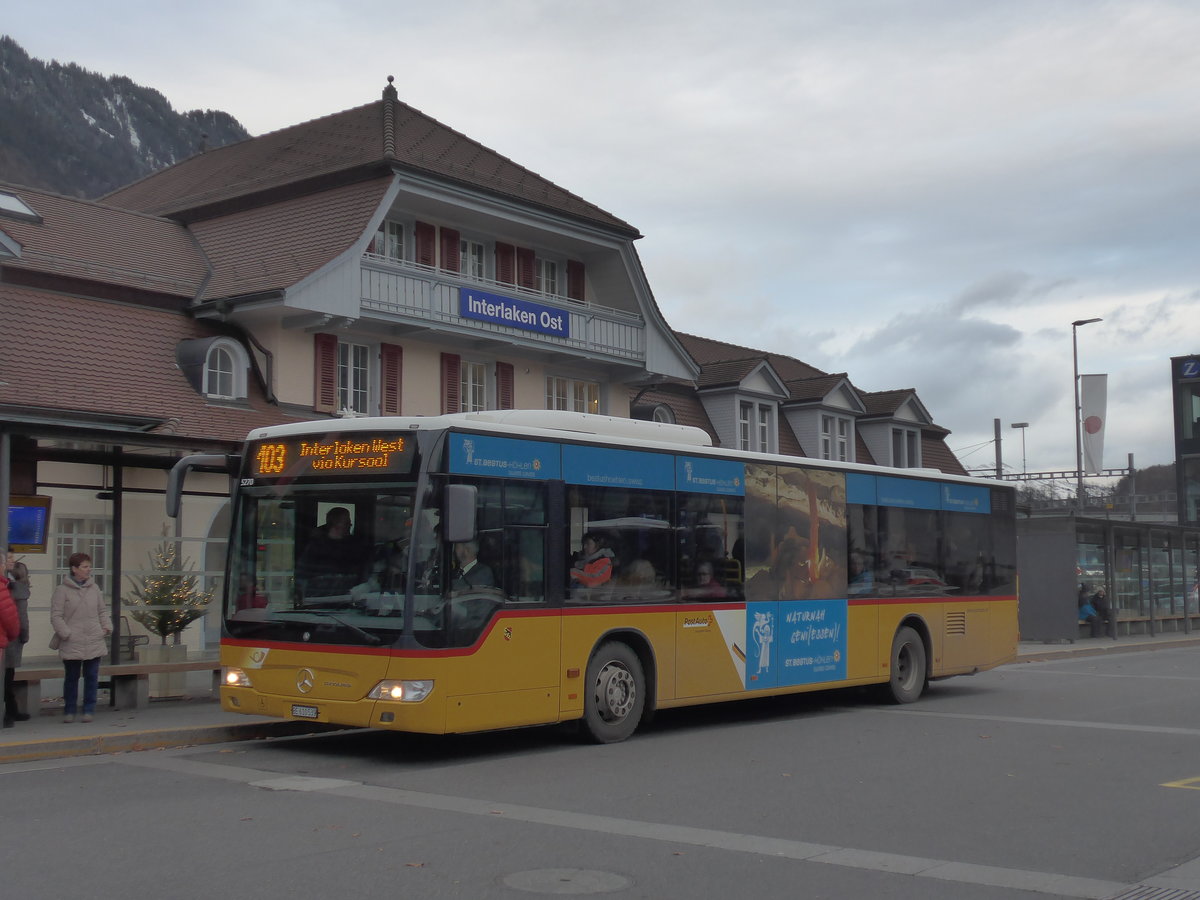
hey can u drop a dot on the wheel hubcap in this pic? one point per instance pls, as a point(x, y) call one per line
point(615, 692)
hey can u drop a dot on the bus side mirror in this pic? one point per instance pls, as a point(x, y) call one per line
point(460, 513)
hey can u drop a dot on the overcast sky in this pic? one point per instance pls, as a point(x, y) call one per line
point(923, 194)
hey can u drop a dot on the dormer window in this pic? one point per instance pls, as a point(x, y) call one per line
point(835, 437)
point(225, 370)
point(906, 448)
point(756, 426)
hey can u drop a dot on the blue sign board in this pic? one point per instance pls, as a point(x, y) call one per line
point(860, 489)
point(966, 498)
point(523, 314)
point(792, 642)
point(481, 454)
point(710, 476)
point(608, 467)
point(908, 493)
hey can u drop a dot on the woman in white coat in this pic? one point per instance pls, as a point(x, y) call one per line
point(81, 626)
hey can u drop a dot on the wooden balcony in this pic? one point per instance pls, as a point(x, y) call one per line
point(408, 293)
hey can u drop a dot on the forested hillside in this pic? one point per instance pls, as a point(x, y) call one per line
point(79, 133)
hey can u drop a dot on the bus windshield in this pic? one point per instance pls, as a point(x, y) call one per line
point(320, 563)
point(321, 542)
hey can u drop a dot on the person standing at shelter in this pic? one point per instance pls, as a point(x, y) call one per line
point(81, 628)
point(18, 587)
point(10, 626)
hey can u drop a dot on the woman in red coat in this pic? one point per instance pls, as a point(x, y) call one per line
point(10, 625)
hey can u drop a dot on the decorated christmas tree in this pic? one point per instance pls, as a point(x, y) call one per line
point(168, 599)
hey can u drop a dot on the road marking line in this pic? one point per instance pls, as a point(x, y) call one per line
point(1192, 784)
point(1060, 723)
point(1053, 883)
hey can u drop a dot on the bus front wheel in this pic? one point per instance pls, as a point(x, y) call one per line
point(616, 693)
point(908, 667)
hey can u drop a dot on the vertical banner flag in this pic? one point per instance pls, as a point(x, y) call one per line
point(1093, 398)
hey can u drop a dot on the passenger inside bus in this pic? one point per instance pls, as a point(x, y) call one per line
point(594, 564)
point(706, 585)
point(470, 573)
point(334, 557)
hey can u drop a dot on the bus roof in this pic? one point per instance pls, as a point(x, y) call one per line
point(563, 424)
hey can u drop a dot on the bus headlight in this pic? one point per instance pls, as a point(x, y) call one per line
point(235, 677)
point(401, 691)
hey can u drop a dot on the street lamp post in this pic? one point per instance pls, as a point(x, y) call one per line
point(1022, 426)
point(1078, 413)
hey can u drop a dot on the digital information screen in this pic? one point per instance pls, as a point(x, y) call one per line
point(330, 456)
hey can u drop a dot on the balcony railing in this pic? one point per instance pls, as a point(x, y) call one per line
point(426, 295)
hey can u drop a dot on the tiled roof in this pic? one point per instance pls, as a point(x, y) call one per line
point(83, 239)
point(683, 402)
point(734, 371)
point(353, 141)
point(707, 351)
point(789, 444)
point(114, 359)
point(273, 247)
point(810, 389)
point(885, 403)
point(936, 455)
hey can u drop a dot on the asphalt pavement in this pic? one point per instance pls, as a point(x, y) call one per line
point(197, 718)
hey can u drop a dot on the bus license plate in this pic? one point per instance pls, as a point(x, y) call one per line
point(304, 712)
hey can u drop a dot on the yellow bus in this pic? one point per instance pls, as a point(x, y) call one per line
point(500, 569)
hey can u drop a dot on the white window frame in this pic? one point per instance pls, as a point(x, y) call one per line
point(354, 378)
point(836, 437)
point(225, 363)
point(472, 258)
point(389, 240)
point(573, 394)
point(757, 431)
point(545, 276)
point(83, 534)
point(905, 447)
point(473, 386)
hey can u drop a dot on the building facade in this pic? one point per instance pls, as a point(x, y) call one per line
point(370, 262)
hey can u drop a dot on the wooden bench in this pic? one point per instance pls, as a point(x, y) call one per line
point(129, 682)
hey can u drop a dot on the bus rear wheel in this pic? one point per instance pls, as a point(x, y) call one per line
point(908, 671)
point(616, 693)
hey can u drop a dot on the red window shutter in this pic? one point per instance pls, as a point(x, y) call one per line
point(450, 249)
point(575, 279)
point(325, 383)
point(525, 267)
point(505, 263)
point(425, 236)
point(504, 385)
point(451, 383)
point(391, 361)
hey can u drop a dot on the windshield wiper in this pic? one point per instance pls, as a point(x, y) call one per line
point(353, 629)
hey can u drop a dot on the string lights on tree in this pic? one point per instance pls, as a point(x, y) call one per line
point(168, 599)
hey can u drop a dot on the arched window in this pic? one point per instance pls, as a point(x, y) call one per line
point(664, 413)
point(225, 370)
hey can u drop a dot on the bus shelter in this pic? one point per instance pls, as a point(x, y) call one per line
point(1149, 570)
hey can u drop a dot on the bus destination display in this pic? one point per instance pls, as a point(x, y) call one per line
point(330, 455)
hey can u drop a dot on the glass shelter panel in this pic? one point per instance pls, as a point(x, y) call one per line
point(1127, 595)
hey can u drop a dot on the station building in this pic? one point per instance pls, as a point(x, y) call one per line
point(370, 262)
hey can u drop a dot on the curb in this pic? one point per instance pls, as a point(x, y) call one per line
point(156, 739)
point(1071, 651)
